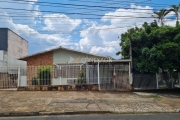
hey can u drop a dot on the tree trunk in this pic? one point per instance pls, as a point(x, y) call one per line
point(162, 24)
point(177, 22)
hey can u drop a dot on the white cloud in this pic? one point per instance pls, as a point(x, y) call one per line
point(116, 18)
point(104, 50)
point(103, 39)
point(55, 22)
point(97, 37)
point(34, 36)
point(26, 16)
point(170, 22)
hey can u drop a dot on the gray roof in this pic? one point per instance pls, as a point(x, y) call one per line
point(62, 48)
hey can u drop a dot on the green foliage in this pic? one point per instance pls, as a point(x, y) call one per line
point(34, 81)
point(153, 47)
point(44, 75)
point(81, 77)
point(155, 96)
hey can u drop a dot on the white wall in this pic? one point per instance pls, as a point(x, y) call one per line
point(59, 81)
point(17, 46)
point(10, 64)
point(66, 56)
point(1, 55)
point(3, 61)
point(14, 62)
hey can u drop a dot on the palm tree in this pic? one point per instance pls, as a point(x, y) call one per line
point(176, 9)
point(160, 15)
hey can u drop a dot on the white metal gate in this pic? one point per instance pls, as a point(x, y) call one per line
point(67, 74)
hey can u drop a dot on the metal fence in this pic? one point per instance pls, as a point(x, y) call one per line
point(168, 81)
point(8, 77)
point(111, 76)
point(108, 76)
point(156, 81)
point(144, 81)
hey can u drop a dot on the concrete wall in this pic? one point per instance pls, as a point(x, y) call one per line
point(59, 81)
point(3, 61)
point(1, 55)
point(8, 61)
point(3, 39)
point(17, 46)
point(14, 62)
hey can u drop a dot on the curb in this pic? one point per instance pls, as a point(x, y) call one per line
point(18, 114)
point(13, 114)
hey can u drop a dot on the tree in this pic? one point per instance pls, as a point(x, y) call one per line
point(153, 48)
point(160, 15)
point(176, 9)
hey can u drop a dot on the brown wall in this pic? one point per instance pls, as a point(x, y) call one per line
point(45, 59)
point(41, 59)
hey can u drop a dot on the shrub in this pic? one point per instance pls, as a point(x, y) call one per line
point(34, 81)
point(81, 77)
point(44, 75)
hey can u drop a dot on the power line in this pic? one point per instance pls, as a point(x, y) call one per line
point(75, 8)
point(73, 13)
point(57, 3)
point(95, 10)
point(78, 13)
point(112, 17)
point(91, 6)
point(119, 11)
point(115, 1)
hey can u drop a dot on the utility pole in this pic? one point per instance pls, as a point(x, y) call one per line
point(130, 53)
point(131, 64)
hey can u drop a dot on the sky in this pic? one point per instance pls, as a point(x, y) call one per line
point(92, 26)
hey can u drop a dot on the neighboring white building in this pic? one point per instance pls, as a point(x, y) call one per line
point(12, 47)
point(13, 44)
point(7, 60)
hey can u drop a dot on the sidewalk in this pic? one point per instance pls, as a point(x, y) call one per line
point(73, 102)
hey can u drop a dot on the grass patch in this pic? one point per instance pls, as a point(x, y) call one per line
point(154, 96)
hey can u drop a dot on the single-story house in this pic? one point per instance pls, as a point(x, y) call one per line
point(69, 66)
point(67, 63)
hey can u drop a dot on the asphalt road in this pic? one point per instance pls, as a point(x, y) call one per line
point(100, 117)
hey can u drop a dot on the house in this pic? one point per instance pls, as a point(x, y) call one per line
point(67, 64)
point(12, 47)
point(70, 67)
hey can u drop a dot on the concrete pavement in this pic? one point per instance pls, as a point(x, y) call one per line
point(14, 103)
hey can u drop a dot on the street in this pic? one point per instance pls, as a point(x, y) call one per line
point(100, 117)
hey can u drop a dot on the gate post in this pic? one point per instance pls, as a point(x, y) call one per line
point(114, 73)
point(157, 79)
point(98, 77)
point(19, 75)
point(179, 78)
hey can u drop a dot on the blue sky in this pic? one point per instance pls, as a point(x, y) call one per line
point(87, 25)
